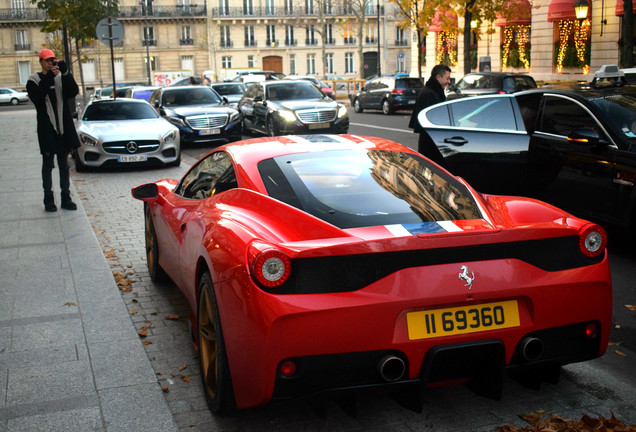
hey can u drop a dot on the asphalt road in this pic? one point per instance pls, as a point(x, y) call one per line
point(595, 388)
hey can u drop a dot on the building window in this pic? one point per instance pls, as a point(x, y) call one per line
point(347, 29)
point(226, 40)
point(250, 62)
point(401, 63)
point(290, 37)
point(184, 6)
point(371, 30)
point(120, 74)
point(289, 7)
point(24, 71)
point(370, 9)
point(329, 65)
point(149, 37)
point(186, 36)
point(311, 64)
point(328, 7)
point(400, 39)
point(88, 70)
point(226, 62)
point(271, 35)
point(248, 7)
point(349, 63)
point(292, 64)
point(224, 7)
point(22, 40)
point(250, 40)
point(329, 39)
point(270, 10)
point(187, 63)
point(153, 65)
point(309, 7)
point(311, 36)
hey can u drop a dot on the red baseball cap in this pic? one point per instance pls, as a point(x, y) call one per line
point(46, 54)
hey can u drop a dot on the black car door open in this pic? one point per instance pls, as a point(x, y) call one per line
point(572, 158)
point(482, 139)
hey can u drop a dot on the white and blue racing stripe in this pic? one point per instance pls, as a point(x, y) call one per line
point(403, 230)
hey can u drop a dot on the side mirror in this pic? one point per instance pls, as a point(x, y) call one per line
point(225, 101)
point(584, 136)
point(146, 192)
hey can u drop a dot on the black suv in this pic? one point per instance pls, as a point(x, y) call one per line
point(388, 94)
point(483, 83)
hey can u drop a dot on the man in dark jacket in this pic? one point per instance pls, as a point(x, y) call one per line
point(431, 93)
point(50, 91)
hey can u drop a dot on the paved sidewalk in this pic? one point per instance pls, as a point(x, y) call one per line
point(70, 356)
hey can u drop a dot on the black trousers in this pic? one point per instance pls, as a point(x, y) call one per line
point(47, 171)
point(427, 147)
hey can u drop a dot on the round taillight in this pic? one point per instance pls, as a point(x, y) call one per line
point(270, 267)
point(592, 240)
point(288, 368)
point(591, 330)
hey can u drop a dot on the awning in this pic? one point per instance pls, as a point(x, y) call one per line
point(514, 12)
point(564, 9)
point(443, 19)
point(620, 5)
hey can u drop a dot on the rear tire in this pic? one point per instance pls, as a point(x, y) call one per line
point(157, 273)
point(215, 370)
point(387, 109)
point(357, 106)
point(14, 101)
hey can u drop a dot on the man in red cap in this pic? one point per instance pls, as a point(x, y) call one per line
point(50, 91)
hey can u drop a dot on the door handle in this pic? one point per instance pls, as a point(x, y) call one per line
point(456, 140)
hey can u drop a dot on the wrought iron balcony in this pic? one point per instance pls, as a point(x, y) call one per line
point(149, 42)
point(186, 41)
point(226, 43)
point(272, 11)
point(291, 42)
point(23, 47)
point(162, 11)
point(31, 14)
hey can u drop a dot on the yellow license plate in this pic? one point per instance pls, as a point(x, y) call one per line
point(461, 320)
point(319, 125)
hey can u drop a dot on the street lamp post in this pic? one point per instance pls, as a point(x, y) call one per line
point(379, 56)
point(145, 12)
point(580, 9)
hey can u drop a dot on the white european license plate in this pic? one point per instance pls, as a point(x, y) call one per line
point(214, 131)
point(132, 158)
point(319, 125)
point(461, 320)
point(411, 101)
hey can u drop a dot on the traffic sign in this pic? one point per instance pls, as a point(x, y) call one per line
point(116, 33)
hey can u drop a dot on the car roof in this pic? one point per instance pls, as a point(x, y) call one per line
point(499, 74)
point(118, 100)
point(584, 91)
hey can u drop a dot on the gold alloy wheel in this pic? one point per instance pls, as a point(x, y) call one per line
point(208, 344)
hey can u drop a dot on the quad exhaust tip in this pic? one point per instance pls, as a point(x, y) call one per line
point(531, 348)
point(391, 368)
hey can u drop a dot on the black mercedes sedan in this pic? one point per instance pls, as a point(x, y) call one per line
point(291, 107)
point(201, 115)
point(572, 146)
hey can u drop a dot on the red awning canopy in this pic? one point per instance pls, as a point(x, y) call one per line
point(564, 9)
point(443, 19)
point(514, 12)
point(620, 5)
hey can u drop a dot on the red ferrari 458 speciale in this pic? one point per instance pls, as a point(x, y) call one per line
point(337, 263)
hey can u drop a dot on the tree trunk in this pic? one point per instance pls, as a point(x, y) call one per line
point(81, 72)
point(468, 17)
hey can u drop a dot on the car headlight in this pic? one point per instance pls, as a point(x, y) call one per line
point(342, 111)
point(286, 115)
point(234, 116)
point(88, 140)
point(170, 136)
point(176, 121)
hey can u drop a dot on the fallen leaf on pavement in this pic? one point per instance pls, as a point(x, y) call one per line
point(614, 343)
point(147, 342)
point(620, 353)
point(143, 333)
point(559, 424)
point(69, 304)
point(182, 367)
point(631, 307)
point(165, 389)
point(133, 312)
point(172, 317)
point(185, 378)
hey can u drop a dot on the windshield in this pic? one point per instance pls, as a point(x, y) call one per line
point(110, 111)
point(620, 113)
point(191, 96)
point(357, 188)
point(293, 91)
point(230, 89)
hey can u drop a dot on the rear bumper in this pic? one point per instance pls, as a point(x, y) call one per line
point(337, 340)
